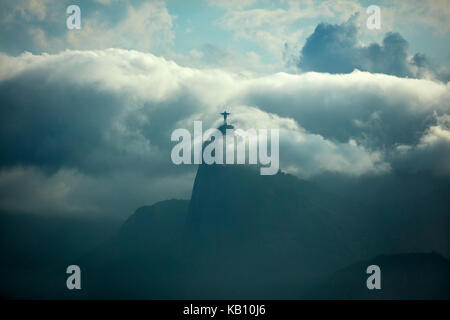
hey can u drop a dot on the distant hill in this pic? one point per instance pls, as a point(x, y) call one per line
point(403, 276)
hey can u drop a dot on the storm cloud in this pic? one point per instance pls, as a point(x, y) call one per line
point(336, 48)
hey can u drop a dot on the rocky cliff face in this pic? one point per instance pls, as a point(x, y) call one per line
point(280, 224)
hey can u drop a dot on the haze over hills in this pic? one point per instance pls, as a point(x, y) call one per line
point(35, 248)
point(243, 235)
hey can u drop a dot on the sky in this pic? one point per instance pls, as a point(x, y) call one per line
point(86, 115)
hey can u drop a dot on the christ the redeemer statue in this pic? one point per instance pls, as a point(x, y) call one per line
point(225, 115)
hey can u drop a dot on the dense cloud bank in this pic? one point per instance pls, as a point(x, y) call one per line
point(91, 126)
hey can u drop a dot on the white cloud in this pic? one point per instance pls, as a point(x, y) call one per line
point(430, 13)
point(29, 9)
point(146, 28)
point(231, 3)
point(39, 37)
point(273, 28)
point(306, 154)
point(432, 152)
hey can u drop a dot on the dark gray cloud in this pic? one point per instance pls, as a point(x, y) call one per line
point(335, 48)
point(53, 121)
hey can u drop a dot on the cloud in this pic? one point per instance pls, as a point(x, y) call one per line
point(39, 26)
point(428, 13)
point(335, 48)
point(228, 4)
point(274, 29)
point(210, 56)
point(307, 154)
point(147, 27)
point(432, 153)
point(266, 27)
point(100, 122)
point(26, 9)
point(70, 192)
